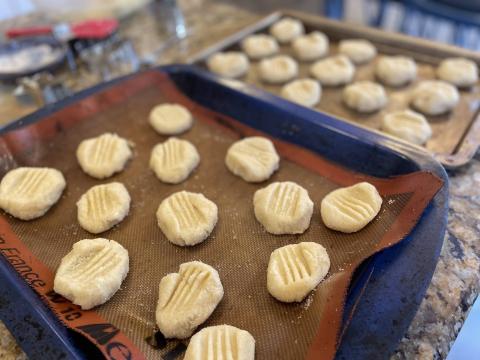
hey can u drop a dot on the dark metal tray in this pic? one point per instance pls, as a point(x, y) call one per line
point(456, 135)
point(386, 290)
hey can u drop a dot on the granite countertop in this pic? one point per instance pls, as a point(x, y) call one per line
point(456, 281)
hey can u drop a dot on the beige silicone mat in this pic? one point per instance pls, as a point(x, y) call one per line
point(239, 248)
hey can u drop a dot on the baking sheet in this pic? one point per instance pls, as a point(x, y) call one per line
point(450, 130)
point(239, 247)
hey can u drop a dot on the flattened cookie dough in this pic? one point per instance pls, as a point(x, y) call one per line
point(350, 209)
point(306, 92)
point(364, 96)
point(187, 218)
point(287, 29)
point(104, 155)
point(358, 50)
point(92, 272)
point(458, 71)
point(187, 298)
point(174, 160)
point(434, 97)
point(396, 70)
point(295, 270)
point(333, 71)
point(170, 119)
point(254, 158)
point(283, 208)
point(29, 192)
point(102, 207)
point(221, 342)
point(230, 64)
point(278, 69)
point(408, 125)
point(311, 46)
point(259, 46)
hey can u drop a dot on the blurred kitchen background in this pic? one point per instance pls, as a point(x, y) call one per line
point(163, 31)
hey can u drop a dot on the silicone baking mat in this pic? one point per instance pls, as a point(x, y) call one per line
point(239, 248)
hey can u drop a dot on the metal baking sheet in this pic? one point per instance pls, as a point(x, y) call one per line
point(456, 135)
point(50, 136)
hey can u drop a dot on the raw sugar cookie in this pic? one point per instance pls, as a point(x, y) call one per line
point(358, 50)
point(221, 342)
point(29, 192)
point(92, 272)
point(173, 160)
point(296, 269)
point(187, 218)
point(283, 208)
point(458, 71)
point(103, 156)
point(408, 125)
point(187, 298)
point(287, 29)
point(364, 96)
point(170, 119)
point(278, 69)
point(434, 97)
point(350, 209)
point(333, 71)
point(102, 207)
point(254, 158)
point(259, 46)
point(306, 92)
point(231, 64)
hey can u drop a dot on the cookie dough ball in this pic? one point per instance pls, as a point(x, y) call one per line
point(358, 50)
point(365, 96)
point(231, 64)
point(350, 209)
point(287, 29)
point(102, 207)
point(187, 218)
point(208, 344)
point(278, 69)
point(259, 46)
point(92, 272)
point(306, 92)
point(187, 298)
point(170, 119)
point(295, 270)
point(174, 160)
point(434, 97)
point(311, 46)
point(103, 156)
point(283, 208)
point(254, 159)
point(396, 70)
point(408, 125)
point(458, 71)
point(29, 192)
point(333, 71)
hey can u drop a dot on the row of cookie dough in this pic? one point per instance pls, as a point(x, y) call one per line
point(432, 97)
point(392, 70)
point(282, 208)
point(93, 271)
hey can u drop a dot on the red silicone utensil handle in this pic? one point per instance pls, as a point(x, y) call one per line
point(28, 31)
point(95, 29)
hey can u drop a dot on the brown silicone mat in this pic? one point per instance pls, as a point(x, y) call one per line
point(449, 130)
point(239, 248)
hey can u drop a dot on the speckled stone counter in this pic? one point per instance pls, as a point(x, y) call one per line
point(456, 281)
